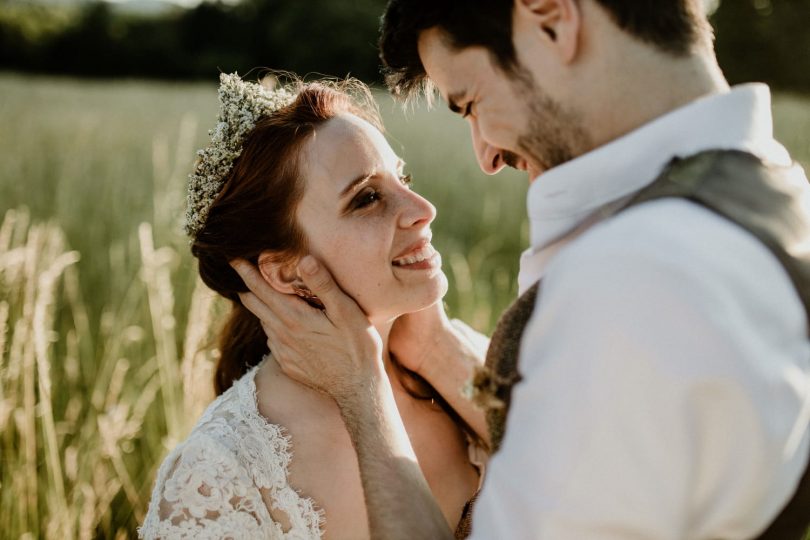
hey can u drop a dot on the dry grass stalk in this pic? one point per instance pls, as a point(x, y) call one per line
point(27, 361)
point(3, 338)
point(197, 366)
point(86, 446)
point(43, 323)
point(156, 277)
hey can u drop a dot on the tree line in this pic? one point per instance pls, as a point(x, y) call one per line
point(765, 40)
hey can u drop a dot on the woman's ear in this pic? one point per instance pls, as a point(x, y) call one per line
point(279, 272)
point(556, 22)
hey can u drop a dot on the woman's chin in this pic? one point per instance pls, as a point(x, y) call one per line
point(433, 292)
point(415, 298)
point(443, 285)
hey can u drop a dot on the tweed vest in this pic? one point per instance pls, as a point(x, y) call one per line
point(758, 197)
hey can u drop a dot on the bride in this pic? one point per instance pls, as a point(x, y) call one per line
point(296, 170)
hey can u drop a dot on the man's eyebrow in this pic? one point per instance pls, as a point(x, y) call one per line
point(357, 182)
point(453, 99)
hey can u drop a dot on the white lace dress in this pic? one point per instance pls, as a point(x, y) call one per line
point(218, 482)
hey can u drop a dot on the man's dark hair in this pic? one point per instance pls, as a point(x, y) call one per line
point(674, 26)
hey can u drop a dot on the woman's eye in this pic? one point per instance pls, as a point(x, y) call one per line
point(406, 179)
point(366, 198)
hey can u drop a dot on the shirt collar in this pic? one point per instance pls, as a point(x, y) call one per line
point(561, 199)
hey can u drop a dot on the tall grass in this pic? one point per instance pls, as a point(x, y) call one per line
point(105, 330)
point(85, 414)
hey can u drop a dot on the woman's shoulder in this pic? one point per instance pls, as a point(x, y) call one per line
point(229, 444)
point(199, 479)
point(232, 454)
point(230, 410)
point(233, 424)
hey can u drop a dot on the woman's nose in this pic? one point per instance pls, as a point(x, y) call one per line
point(416, 211)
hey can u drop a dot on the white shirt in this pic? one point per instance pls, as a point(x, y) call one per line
point(666, 389)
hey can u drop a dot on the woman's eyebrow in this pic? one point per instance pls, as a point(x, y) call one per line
point(365, 177)
point(357, 182)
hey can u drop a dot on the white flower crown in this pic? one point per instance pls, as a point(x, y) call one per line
point(241, 105)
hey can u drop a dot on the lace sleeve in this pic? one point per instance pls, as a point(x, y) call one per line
point(202, 491)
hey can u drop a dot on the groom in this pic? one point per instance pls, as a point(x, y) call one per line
point(664, 362)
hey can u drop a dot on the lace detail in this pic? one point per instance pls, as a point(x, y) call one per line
point(220, 481)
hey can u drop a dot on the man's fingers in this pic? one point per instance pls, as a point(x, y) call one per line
point(339, 306)
point(252, 278)
point(274, 302)
point(320, 282)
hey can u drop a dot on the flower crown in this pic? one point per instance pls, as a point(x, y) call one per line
point(241, 105)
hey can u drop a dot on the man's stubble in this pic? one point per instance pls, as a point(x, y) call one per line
point(555, 134)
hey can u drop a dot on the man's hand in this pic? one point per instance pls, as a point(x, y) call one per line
point(335, 350)
point(338, 352)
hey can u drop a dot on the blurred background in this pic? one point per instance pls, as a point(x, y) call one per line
point(105, 333)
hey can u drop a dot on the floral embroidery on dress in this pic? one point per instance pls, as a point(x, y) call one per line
point(215, 483)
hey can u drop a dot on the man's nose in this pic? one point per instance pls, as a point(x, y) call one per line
point(490, 158)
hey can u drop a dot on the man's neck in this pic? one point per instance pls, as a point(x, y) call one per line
point(651, 85)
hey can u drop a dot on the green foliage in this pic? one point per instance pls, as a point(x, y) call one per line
point(762, 40)
point(24, 28)
point(97, 40)
point(765, 40)
point(34, 22)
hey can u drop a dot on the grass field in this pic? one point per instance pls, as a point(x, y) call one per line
point(104, 330)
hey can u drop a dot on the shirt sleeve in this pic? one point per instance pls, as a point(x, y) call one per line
point(658, 399)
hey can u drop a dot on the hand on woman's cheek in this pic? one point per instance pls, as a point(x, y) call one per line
point(336, 351)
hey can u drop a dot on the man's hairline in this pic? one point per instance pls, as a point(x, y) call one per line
point(428, 87)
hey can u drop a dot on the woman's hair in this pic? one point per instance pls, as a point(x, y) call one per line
point(255, 211)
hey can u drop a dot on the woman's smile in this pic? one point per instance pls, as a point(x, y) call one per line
point(425, 258)
point(420, 251)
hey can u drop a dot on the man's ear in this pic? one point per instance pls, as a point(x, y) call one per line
point(556, 22)
point(279, 272)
